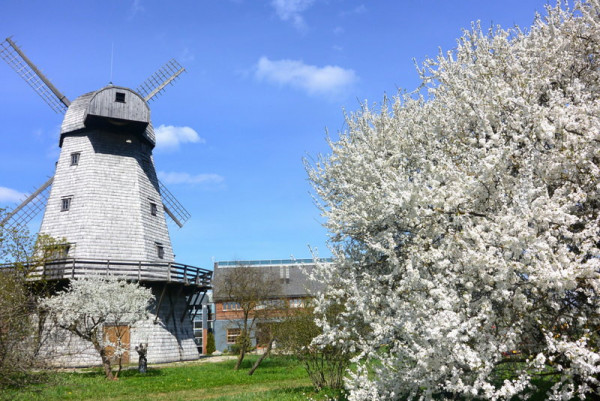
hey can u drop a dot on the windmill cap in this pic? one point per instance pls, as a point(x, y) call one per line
point(111, 108)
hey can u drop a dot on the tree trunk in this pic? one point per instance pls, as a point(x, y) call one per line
point(262, 357)
point(243, 343)
point(120, 367)
point(105, 359)
point(240, 358)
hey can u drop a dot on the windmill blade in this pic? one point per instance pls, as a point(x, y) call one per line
point(160, 79)
point(18, 61)
point(173, 207)
point(29, 208)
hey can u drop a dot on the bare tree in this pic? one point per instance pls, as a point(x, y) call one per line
point(20, 321)
point(256, 295)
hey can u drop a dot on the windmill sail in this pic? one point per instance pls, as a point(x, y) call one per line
point(14, 57)
point(159, 80)
point(29, 208)
point(173, 207)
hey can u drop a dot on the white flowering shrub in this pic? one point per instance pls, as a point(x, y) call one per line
point(90, 304)
point(465, 220)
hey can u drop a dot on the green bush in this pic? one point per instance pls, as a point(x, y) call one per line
point(210, 343)
point(325, 365)
point(243, 340)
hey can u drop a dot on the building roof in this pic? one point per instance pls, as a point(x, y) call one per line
point(293, 276)
point(75, 117)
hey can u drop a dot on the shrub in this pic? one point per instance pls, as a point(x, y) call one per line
point(210, 343)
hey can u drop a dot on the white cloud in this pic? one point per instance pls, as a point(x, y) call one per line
point(185, 178)
point(314, 80)
point(361, 9)
point(187, 55)
point(10, 195)
point(136, 8)
point(169, 137)
point(291, 10)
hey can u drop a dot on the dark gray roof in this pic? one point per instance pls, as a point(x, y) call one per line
point(75, 116)
point(294, 284)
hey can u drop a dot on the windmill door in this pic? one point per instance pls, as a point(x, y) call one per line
point(117, 339)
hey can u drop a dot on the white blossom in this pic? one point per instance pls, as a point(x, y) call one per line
point(465, 219)
point(90, 304)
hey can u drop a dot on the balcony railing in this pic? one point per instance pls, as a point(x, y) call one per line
point(61, 269)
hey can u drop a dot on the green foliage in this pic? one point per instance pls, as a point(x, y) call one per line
point(325, 365)
point(242, 341)
point(210, 343)
point(20, 323)
point(16, 329)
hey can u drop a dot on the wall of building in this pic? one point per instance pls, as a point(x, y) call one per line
point(111, 189)
point(220, 333)
point(169, 339)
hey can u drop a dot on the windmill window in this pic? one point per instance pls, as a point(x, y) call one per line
point(120, 97)
point(153, 209)
point(160, 251)
point(75, 158)
point(65, 204)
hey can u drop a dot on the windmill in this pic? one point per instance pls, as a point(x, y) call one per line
point(106, 202)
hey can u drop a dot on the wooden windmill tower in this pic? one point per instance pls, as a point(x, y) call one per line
point(106, 201)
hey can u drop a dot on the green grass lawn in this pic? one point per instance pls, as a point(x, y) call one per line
point(278, 378)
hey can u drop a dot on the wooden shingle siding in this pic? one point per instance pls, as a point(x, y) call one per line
point(109, 225)
point(109, 216)
point(169, 339)
point(103, 104)
point(100, 103)
point(75, 115)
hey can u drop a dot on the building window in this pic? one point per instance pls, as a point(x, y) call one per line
point(120, 97)
point(153, 209)
point(263, 334)
point(75, 158)
point(232, 335)
point(296, 303)
point(284, 274)
point(65, 204)
point(198, 334)
point(231, 306)
point(160, 251)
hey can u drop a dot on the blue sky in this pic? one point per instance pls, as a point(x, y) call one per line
point(265, 80)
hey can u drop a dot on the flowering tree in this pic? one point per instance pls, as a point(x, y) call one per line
point(88, 305)
point(465, 220)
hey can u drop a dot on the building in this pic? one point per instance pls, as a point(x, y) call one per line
point(203, 317)
point(295, 289)
point(109, 210)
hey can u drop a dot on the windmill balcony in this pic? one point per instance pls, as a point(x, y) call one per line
point(141, 271)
